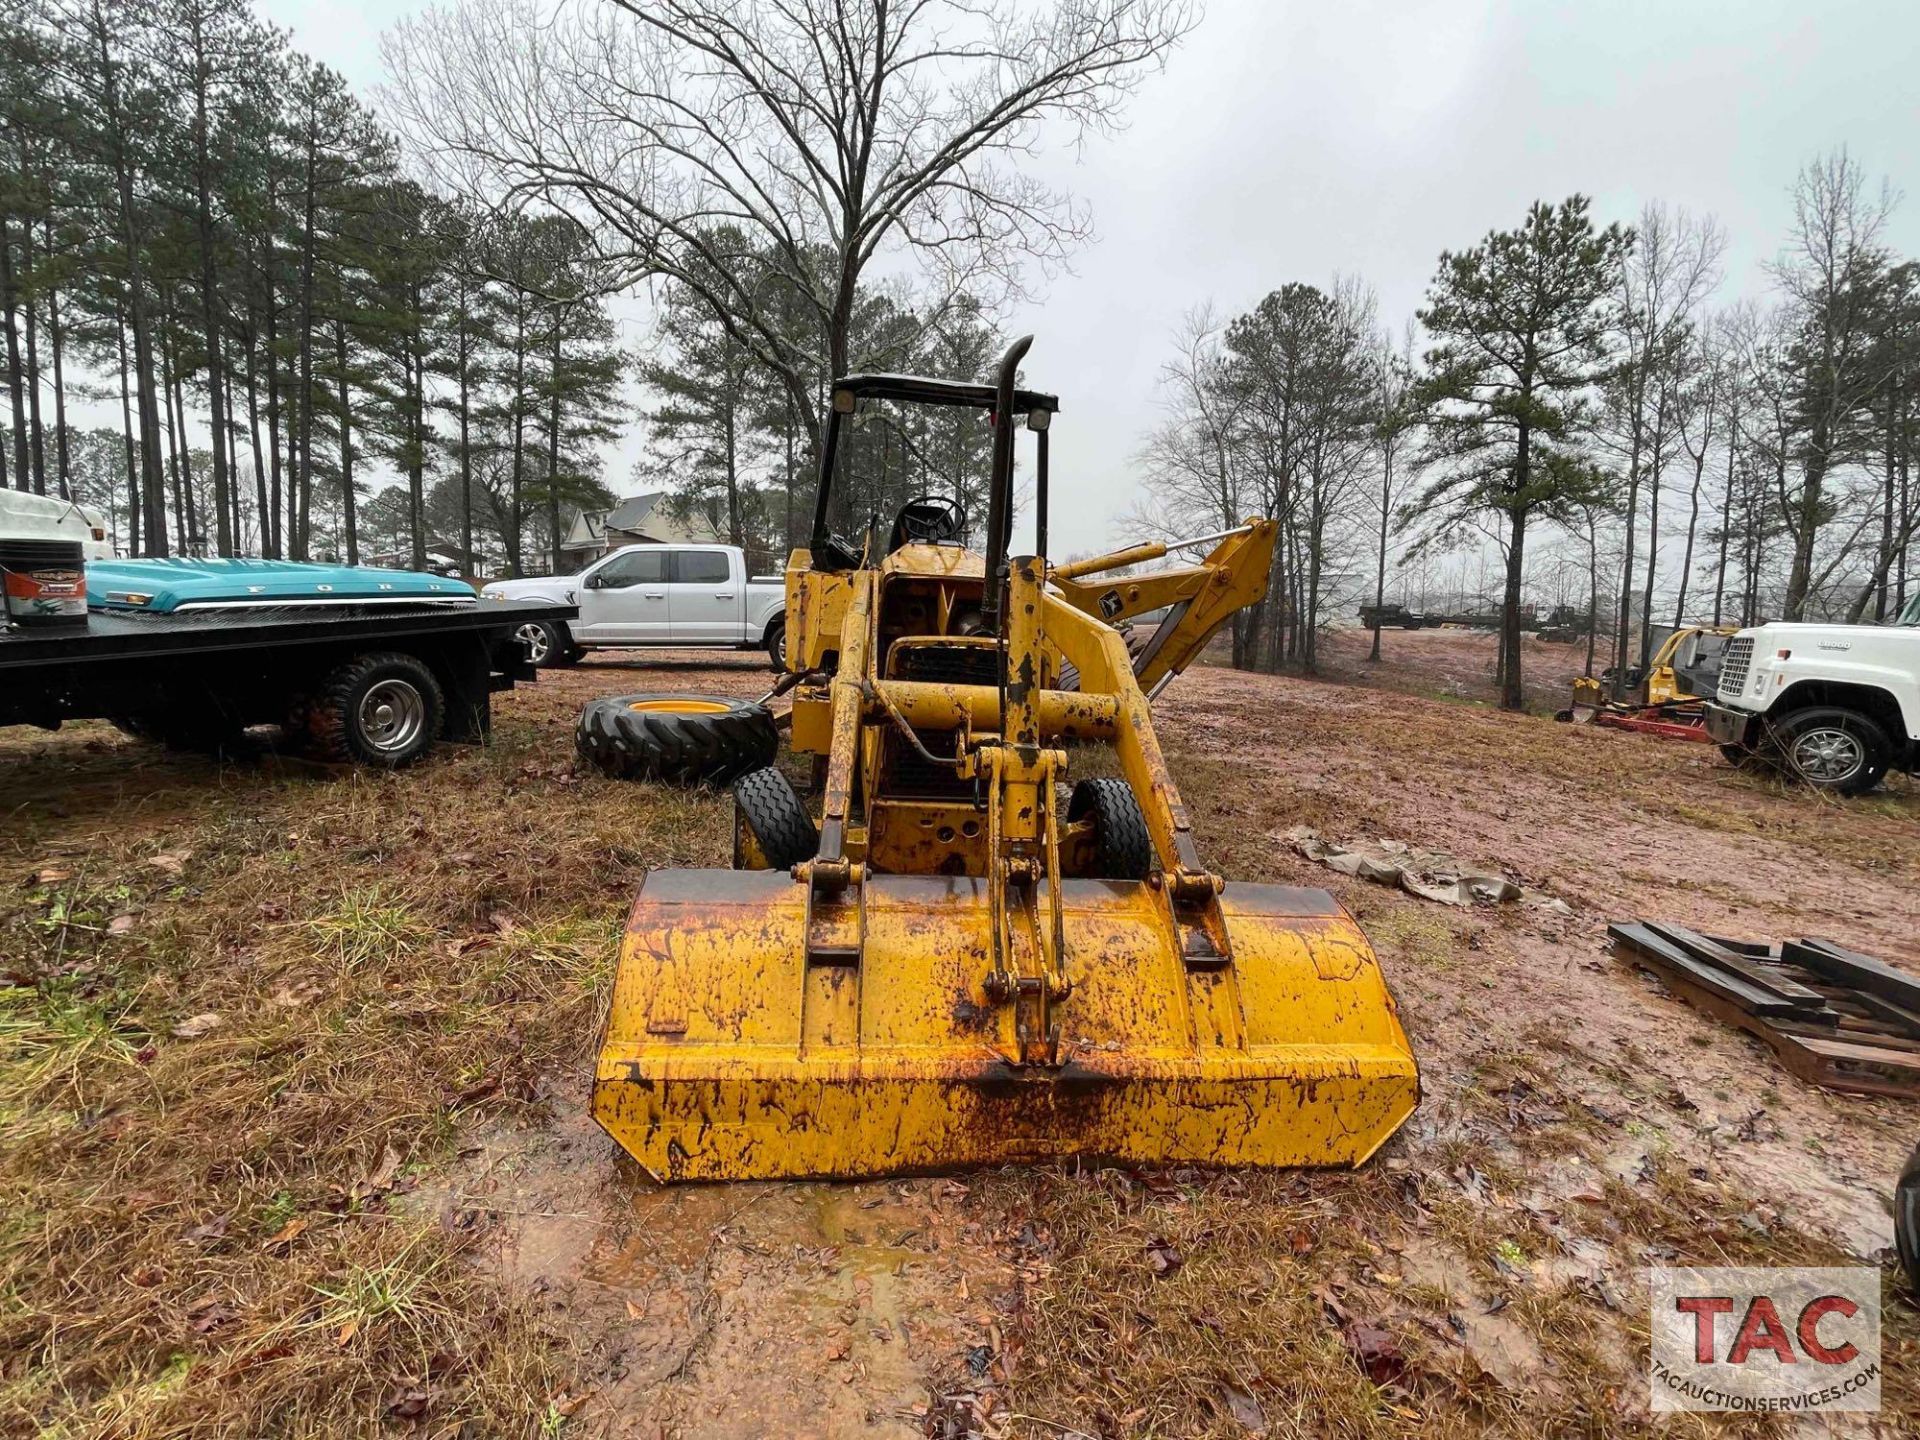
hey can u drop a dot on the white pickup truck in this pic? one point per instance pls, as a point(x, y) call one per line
point(1838, 705)
point(689, 596)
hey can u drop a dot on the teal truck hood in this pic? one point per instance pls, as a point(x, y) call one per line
point(166, 586)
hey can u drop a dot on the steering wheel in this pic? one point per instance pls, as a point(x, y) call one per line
point(929, 520)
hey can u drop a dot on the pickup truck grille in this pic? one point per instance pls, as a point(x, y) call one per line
point(1735, 661)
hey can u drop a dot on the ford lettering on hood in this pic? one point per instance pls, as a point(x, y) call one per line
point(170, 587)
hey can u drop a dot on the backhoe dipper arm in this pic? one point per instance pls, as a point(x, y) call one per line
point(1199, 598)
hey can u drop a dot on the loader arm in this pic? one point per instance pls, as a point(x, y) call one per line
point(1198, 598)
point(970, 959)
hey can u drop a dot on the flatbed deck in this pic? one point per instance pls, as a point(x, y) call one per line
point(249, 666)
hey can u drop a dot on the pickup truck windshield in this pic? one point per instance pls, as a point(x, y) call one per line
point(1910, 614)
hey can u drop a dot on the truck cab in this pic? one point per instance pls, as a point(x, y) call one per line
point(693, 596)
point(1837, 705)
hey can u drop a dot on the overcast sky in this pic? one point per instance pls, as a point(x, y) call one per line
point(1287, 142)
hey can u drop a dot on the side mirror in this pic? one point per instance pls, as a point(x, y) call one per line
point(591, 582)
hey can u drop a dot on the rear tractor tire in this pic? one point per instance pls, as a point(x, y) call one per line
point(676, 739)
point(1137, 642)
point(1122, 845)
point(771, 827)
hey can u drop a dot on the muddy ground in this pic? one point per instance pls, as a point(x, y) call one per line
point(1486, 1271)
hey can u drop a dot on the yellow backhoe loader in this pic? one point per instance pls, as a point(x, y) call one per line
point(959, 960)
point(1669, 697)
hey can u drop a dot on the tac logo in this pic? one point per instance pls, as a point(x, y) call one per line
point(1766, 1340)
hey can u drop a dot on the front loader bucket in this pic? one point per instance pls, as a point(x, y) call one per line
point(1588, 700)
point(730, 1054)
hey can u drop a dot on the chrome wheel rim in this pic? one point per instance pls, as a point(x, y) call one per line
point(1828, 754)
point(392, 715)
point(533, 635)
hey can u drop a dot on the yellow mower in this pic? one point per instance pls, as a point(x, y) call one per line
point(1669, 697)
point(959, 960)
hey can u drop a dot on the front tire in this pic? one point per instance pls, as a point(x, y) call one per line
point(777, 644)
point(1122, 845)
point(771, 827)
point(1833, 749)
point(546, 642)
point(381, 709)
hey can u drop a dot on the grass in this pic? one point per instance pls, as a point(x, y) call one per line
point(209, 1229)
point(200, 1236)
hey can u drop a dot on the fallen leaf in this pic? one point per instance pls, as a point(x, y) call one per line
point(172, 862)
point(211, 1230)
point(146, 1276)
point(569, 1405)
point(1244, 1408)
point(144, 1055)
point(480, 1091)
point(51, 875)
point(443, 1363)
point(1164, 1256)
point(408, 1403)
point(1473, 1181)
point(346, 1332)
point(636, 1312)
point(286, 1234)
point(1302, 1242)
point(1375, 1351)
point(1337, 1314)
point(120, 925)
point(383, 1174)
point(208, 1314)
point(195, 1026)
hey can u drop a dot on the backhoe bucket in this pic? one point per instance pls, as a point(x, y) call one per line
point(732, 1053)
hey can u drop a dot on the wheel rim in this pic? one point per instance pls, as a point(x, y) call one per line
point(780, 648)
point(392, 715)
point(533, 635)
point(677, 707)
point(1828, 754)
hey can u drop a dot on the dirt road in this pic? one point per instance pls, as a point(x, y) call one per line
point(1487, 1269)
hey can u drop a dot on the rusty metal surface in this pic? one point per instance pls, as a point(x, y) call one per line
point(729, 1054)
point(947, 982)
point(1202, 597)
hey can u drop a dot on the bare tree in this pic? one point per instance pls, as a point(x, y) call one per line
point(1702, 402)
point(1673, 267)
point(823, 133)
point(1192, 458)
point(1829, 272)
point(1394, 420)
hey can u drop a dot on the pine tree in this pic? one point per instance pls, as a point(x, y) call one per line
point(1522, 325)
